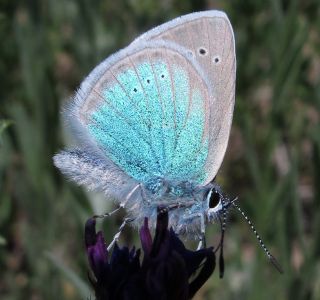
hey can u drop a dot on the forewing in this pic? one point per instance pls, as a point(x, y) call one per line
point(208, 38)
point(145, 108)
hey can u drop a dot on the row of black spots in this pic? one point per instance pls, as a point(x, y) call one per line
point(204, 52)
point(148, 81)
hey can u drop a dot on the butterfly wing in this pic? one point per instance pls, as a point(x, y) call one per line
point(208, 38)
point(158, 108)
point(95, 173)
point(145, 110)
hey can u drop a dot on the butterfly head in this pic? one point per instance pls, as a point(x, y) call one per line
point(218, 205)
point(215, 203)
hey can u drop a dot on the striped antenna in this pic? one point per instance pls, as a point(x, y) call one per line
point(223, 230)
point(223, 224)
point(263, 246)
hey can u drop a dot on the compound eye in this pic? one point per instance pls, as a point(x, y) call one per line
point(214, 199)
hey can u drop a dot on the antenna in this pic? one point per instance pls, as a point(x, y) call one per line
point(263, 246)
point(223, 223)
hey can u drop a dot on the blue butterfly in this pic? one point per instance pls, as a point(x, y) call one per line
point(153, 122)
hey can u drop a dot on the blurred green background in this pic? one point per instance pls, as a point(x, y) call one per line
point(272, 162)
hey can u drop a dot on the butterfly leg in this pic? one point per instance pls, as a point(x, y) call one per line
point(173, 206)
point(117, 235)
point(108, 214)
point(202, 242)
point(122, 204)
point(131, 193)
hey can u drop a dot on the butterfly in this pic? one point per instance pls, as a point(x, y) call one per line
point(153, 122)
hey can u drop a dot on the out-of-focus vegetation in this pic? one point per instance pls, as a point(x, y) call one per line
point(272, 163)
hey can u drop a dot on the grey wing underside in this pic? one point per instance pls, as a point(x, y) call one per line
point(95, 170)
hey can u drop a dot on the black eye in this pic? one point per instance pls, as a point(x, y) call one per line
point(214, 199)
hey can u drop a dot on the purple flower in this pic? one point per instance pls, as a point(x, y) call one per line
point(165, 270)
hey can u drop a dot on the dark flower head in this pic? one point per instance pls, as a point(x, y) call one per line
point(164, 273)
point(113, 279)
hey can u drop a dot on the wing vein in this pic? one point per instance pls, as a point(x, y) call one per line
point(146, 97)
point(160, 100)
point(120, 115)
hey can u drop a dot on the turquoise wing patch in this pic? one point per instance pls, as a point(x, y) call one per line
point(152, 122)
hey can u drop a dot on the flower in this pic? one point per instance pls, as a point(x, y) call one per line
point(165, 270)
point(117, 279)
